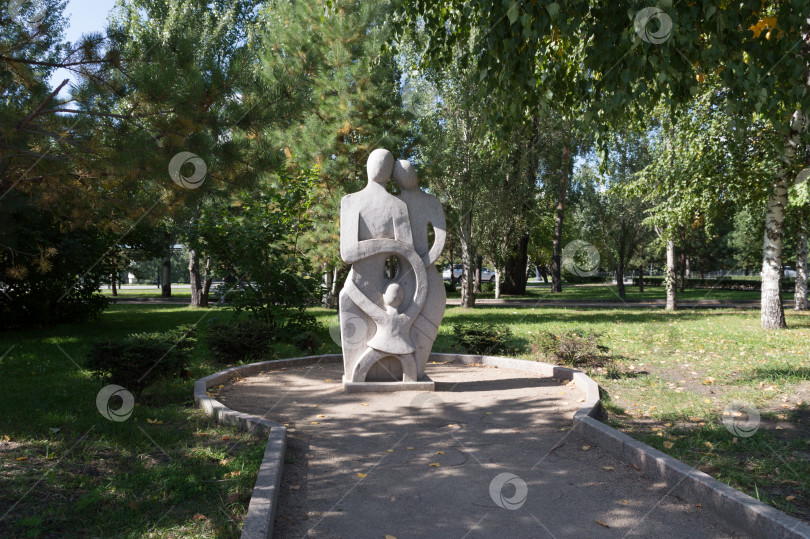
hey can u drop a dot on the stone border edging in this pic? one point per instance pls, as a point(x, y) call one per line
point(735, 508)
point(263, 505)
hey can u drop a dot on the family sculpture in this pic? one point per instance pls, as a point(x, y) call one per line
point(388, 322)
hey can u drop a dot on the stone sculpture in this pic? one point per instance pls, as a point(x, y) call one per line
point(388, 324)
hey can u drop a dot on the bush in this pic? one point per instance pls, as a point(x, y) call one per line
point(230, 342)
point(483, 339)
point(449, 287)
point(487, 287)
point(307, 341)
point(39, 268)
point(727, 283)
point(571, 278)
point(143, 358)
point(572, 348)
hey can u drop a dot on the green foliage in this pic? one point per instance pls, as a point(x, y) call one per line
point(728, 283)
point(484, 339)
point(47, 276)
point(241, 341)
point(350, 101)
point(487, 287)
point(597, 61)
point(307, 341)
point(575, 348)
point(141, 359)
point(256, 242)
point(449, 287)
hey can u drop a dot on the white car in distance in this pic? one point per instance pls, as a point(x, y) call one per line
point(487, 276)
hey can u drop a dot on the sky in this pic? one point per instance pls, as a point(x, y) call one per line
point(85, 16)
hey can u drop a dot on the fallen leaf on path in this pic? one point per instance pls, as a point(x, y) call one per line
point(624, 502)
point(389, 450)
point(602, 524)
point(313, 422)
point(440, 452)
point(363, 404)
point(435, 464)
point(26, 458)
point(608, 468)
point(225, 438)
point(409, 448)
point(585, 447)
point(362, 475)
point(668, 445)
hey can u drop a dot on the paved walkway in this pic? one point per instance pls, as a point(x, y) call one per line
point(413, 464)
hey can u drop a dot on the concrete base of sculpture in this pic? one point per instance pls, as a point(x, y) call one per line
point(423, 384)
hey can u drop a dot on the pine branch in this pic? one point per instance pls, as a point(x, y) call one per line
point(36, 112)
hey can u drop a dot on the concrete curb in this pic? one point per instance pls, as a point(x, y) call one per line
point(734, 508)
point(263, 505)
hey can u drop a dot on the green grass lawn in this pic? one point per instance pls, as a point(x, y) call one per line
point(151, 292)
point(610, 292)
point(167, 471)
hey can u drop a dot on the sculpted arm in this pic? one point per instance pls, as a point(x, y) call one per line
point(349, 231)
point(439, 232)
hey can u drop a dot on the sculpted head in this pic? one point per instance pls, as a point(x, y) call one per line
point(380, 165)
point(405, 175)
point(393, 295)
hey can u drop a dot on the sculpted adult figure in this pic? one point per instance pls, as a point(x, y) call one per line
point(425, 211)
point(376, 314)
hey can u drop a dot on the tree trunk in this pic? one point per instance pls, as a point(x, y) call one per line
point(620, 279)
point(497, 283)
point(672, 293)
point(166, 274)
point(206, 283)
point(543, 273)
point(800, 291)
point(328, 276)
point(514, 281)
point(467, 284)
point(641, 278)
point(772, 313)
point(556, 248)
point(479, 264)
point(682, 282)
point(114, 284)
point(195, 278)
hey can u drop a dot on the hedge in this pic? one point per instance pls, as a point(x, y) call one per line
point(724, 284)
